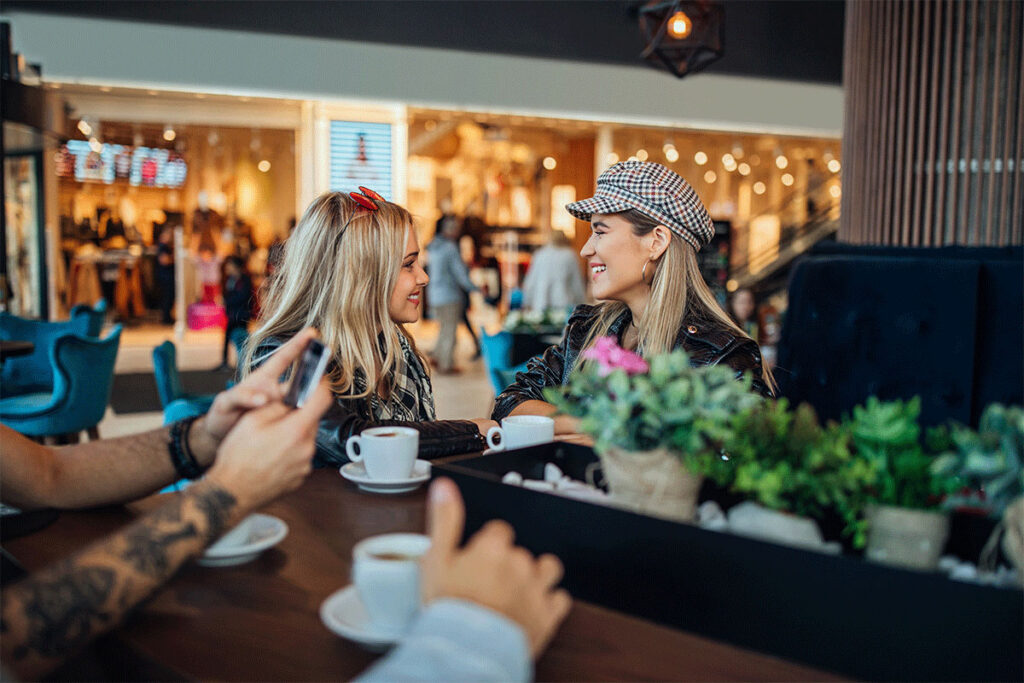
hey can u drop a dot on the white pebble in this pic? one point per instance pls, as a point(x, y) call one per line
point(513, 478)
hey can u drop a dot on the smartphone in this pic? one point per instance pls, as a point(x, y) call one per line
point(307, 374)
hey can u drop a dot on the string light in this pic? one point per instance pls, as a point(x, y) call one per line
point(263, 166)
point(672, 155)
point(744, 168)
point(612, 158)
point(641, 154)
point(550, 163)
point(710, 177)
point(787, 179)
point(759, 187)
point(834, 166)
point(781, 161)
point(700, 158)
point(169, 134)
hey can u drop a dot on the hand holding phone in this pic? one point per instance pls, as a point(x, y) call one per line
point(310, 369)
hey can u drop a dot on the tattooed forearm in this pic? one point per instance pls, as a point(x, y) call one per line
point(217, 504)
point(50, 615)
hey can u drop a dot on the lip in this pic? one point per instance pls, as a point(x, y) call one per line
point(594, 264)
point(414, 298)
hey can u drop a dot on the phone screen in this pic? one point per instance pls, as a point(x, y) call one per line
point(308, 373)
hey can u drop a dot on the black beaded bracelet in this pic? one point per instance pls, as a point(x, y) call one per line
point(177, 445)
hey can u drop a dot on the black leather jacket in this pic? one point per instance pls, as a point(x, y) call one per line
point(708, 342)
point(348, 417)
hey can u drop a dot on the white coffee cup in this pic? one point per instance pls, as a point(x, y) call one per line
point(387, 453)
point(238, 536)
point(520, 431)
point(386, 572)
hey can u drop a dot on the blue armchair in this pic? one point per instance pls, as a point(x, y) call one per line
point(83, 374)
point(33, 373)
point(497, 352)
point(95, 315)
point(176, 403)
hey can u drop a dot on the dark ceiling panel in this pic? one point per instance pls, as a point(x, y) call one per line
point(795, 40)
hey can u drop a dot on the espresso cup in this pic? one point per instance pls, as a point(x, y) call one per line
point(387, 453)
point(520, 431)
point(386, 572)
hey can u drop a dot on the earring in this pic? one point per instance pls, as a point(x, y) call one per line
point(643, 272)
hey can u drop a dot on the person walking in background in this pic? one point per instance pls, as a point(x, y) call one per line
point(449, 282)
point(554, 279)
point(743, 310)
point(165, 273)
point(236, 286)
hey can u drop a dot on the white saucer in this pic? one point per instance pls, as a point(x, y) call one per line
point(267, 531)
point(356, 473)
point(344, 615)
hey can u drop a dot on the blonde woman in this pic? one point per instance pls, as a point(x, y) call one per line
point(351, 269)
point(647, 225)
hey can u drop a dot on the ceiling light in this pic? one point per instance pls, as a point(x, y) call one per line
point(264, 166)
point(834, 166)
point(550, 163)
point(728, 159)
point(781, 161)
point(641, 154)
point(683, 36)
point(737, 150)
point(759, 187)
point(672, 155)
point(834, 191)
point(701, 158)
point(169, 133)
point(612, 158)
point(710, 177)
point(680, 26)
point(85, 128)
point(787, 179)
point(95, 145)
point(667, 146)
point(744, 168)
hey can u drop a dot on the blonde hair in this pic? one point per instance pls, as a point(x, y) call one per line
point(676, 276)
point(339, 279)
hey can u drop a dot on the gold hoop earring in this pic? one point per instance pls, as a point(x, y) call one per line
point(643, 272)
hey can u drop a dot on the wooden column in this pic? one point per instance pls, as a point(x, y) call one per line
point(933, 140)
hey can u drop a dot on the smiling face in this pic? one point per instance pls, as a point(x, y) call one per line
point(404, 306)
point(615, 258)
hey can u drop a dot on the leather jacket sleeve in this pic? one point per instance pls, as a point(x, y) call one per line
point(437, 439)
point(549, 369)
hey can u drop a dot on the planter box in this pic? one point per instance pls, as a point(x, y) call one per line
point(835, 613)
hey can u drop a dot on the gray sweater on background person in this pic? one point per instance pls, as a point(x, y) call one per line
point(449, 276)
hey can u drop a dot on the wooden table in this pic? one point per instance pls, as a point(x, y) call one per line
point(260, 621)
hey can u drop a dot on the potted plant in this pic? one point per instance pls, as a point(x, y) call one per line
point(906, 525)
point(657, 427)
point(988, 465)
point(795, 470)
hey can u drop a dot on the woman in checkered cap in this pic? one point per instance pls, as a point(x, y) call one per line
point(647, 225)
point(351, 269)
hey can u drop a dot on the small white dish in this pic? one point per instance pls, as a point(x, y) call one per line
point(344, 615)
point(356, 473)
point(265, 532)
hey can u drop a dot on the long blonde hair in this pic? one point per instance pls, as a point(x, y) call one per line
point(339, 279)
point(676, 276)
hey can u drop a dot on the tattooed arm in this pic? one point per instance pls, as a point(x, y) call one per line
point(126, 468)
point(47, 616)
point(54, 613)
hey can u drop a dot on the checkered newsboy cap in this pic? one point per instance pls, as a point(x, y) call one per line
point(653, 190)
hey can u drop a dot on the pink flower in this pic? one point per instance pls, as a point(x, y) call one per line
point(610, 357)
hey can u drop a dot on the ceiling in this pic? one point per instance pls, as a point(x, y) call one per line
point(784, 39)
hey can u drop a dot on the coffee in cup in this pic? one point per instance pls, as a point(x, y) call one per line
point(387, 453)
point(386, 572)
point(520, 431)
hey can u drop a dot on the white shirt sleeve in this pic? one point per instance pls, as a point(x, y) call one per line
point(457, 640)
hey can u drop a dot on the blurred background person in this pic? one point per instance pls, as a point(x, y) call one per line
point(449, 285)
point(165, 273)
point(236, 285)
point(743, 310)
point(554, 279)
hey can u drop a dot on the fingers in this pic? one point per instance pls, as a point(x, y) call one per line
point(494, 537)
point(446, 517)
point(247, 396)
point(314, 408)
point(549, 570)
point(561, 603)
point(278, 363)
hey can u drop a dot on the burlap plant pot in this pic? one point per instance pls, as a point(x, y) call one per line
point(652, 482)
point(902, 537)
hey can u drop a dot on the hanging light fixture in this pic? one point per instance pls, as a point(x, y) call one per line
point(683, 36)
